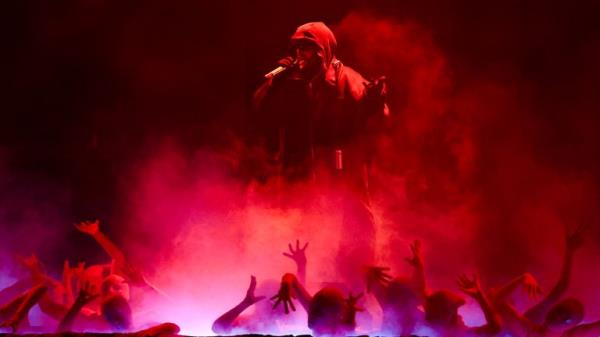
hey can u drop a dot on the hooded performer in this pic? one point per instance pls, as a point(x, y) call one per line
point(317, 118)
point(314, 112)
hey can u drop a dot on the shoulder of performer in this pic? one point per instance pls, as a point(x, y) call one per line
point(352, 82)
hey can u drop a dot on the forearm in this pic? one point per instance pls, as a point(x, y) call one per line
point(378, 290)
point(260, 95)
point(491, 316)
point(24, 305)
point(20, 305)
point(33, 296)
point(52, 309)
point(301, 271)
point(110, 247)
point(8, 309)
point(419, 280)
point(509, 288)
point(301, 293)
point(224, 323)
point(538, 311)
point(565, 277)
point(66, 324)
point(69, 297)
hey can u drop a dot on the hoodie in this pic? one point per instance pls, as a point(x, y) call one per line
point(344, 78)
point(328, 113)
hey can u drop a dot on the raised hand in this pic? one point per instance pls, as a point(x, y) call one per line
point(285, 294)
point(250, 297)
point(89, 227)
point(377, 275)
point(31, 263)
point(352, 301)
point(36, 269)
point(416, 260)
point(469, 286)
point(71, 279)
point(531, 286)
point(70, 273)
point(376, 89)
point(87, 293)
point(298, 254)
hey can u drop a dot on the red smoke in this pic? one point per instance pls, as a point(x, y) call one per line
point(459, 167)
point(482, 167)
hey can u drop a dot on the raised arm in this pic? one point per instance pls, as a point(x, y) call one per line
point(528, 282)
point(350, 309)
point(38, 276)
point(573, 242)
point(471, 287)
point(291, 288)
point(224, 324)
point(71, 279)
point(93, 229)
point(121, 265)
point(299, 256)
point(376, 96)
point(85, 296)
point(36, 270)
point(377, 282)
point(416, 261)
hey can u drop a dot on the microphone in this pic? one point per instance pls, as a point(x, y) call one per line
point(286, 63)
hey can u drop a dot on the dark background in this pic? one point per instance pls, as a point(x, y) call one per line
point(90, 87)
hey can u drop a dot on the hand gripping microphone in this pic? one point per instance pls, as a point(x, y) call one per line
point(284, 64)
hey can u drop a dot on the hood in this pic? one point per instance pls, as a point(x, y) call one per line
point(322, 36)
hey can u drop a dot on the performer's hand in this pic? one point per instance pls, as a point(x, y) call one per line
point(35, 268)
point(286, 61)
point(469, 286)
point(352, 301)
point(376, 89)
point(250, 297)
point(531, 286)
point(87, 293)
point(30, 262)
point(285, 293)
point(298, 255)
point(89, 227)
point(416, 260)
point(377, 275)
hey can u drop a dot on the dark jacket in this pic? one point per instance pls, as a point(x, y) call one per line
point(305, 122)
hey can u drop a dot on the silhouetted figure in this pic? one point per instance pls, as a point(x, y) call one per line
point(400, 297)
point(114, 316)
point(317, 120)
point(317, 110)
point(264, 319)
point(551, 315)
point(329, 312)
point(441, 311)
